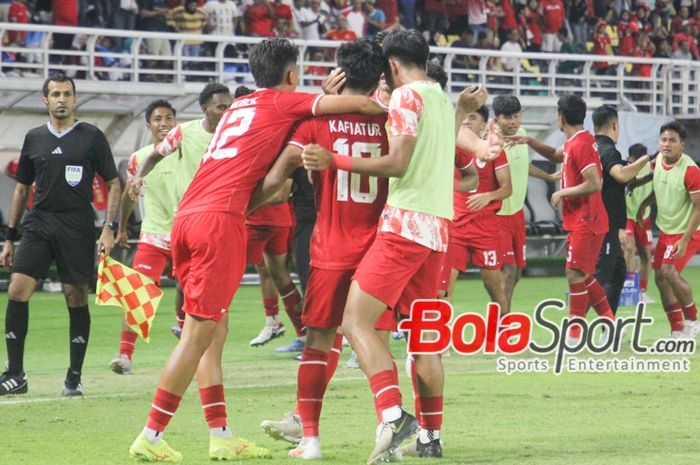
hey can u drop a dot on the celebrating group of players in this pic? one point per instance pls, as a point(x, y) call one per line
point(408, 190)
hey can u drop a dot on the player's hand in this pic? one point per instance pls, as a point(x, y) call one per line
point(472, 98)
point(8, 253)
point(680, 248)
point(122, 238)
point(640, 216)
point(554, 177)
point(478, 201)
point(316, 158)
point(134, 188)
point(556, 199)
point(333, 83)
point(512, 141)
point(106, 241)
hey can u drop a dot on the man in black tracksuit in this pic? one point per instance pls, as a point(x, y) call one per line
point(611, 269)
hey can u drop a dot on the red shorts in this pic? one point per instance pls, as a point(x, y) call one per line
point(641, 234)
point(514, 239)
point(151, 260)
point(663, 254)
point(387, 322)
point(398, 271)
point(209, 259)
point(325, 297)
point(582, 250)
point(274, 240)
point(479, 243)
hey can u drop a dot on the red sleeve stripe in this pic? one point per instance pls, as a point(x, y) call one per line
point(314, 107)
point(471, 162)
point(587, 166)
point(501, 166)
point(296, 144)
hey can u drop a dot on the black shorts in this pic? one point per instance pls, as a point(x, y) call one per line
point(66, 238)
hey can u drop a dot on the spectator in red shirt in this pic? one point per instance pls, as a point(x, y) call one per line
point(601, 46)
point(553, 14)
point(390, 9)
point(492, 17)
point(18, 14)
point(65, 13)
point(508, 19)
point(259, 19)
point(435, 16)
point(458, 14)
point(530, 26)
point(686, 36)
point(627, 29)
point(681, 20)
point(341, 32)
point(643, 48)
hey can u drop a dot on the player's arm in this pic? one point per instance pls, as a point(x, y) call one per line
point(680, 247)
point(19, 201)
point(625, 173)
point(640, 181)
point(125, 208)
point(505, 189)
point(276, 178)
point(170, 144)
point(592, 183)
point(535, 172)
point(646, 203)
point(339, 104)
point(553, 154)
point(106, 240)
point(469, 179)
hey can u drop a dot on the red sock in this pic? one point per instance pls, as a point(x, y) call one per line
point(643, 285)
point(333, 357)
point(690, 312)
point(598, 299)
point(291, 299)
point(214, 405)
point(431, 412)
point(578, 303)
point(311, 386)
point(271, 307)
point(162, 410)
point(674, 313)
point(127, 343)
point(385, 387)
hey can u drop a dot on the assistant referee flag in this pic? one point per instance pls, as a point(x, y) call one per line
point(135, 293)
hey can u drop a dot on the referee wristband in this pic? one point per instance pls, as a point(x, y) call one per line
point(11, 234)
point(341, 162)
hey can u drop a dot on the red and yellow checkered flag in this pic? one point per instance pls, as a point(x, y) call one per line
point(136, 293)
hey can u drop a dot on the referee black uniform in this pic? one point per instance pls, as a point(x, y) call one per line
point(611, 269)
point(59, 228)
point(305, 218)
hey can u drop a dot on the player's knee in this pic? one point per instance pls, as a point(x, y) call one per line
point(575, 276)
point(76, 295)
point(20, 289)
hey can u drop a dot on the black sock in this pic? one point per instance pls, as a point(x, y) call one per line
point(16, 323)
point(79, 336)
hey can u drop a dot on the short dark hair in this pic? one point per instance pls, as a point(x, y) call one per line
point(483, 110)
point(56, 77)
point(210, 89)
point(242, 91)
point(637, 150)
point(506, 105)
point(363, 62)
point(604, 116)
point(572, 108)
point(409, 47)
point(269, 60)
point(437, 74)
point(158, 104)
point(676, 127)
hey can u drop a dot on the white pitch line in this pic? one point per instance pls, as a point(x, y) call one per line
point(40, 400)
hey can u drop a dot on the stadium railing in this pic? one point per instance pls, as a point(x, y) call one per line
point(671, 89)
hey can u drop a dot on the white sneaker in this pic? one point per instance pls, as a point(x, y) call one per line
point(572, 341)
point(676, 335)
point(288, 429)
point(691, 329)
point(308, 449)
point(646, 299)
point(268, 333)
point(121, 365)
point(352, 362)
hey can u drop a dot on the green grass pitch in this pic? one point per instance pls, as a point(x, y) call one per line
point(490, 418)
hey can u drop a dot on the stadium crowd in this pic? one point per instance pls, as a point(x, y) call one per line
point(661, 28)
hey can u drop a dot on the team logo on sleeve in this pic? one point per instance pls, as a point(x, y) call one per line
point(73, 175)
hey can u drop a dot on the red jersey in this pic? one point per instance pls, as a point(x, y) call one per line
point(582, 213)
point(282, 11)
point(348, 205)
point(553, 15)
point(259, 21)
point(279, 215)
point(487, 183)
point(337, 34)
point(246, 142)
point(463, 160)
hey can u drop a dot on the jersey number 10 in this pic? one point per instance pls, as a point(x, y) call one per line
point(341, 147)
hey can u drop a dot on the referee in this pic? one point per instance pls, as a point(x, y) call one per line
point(611, 269)
point(61, 158)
